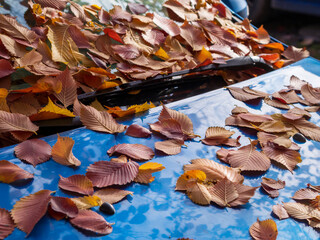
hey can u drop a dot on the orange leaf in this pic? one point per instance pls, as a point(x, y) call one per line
point(30, 209)
point(204, 55)
point(106, 85)
point(118, 112)
point(87, 202)
point(274, 45)
point(162, 54)
point(62, 152)
point(146, 170)
point(10, 172)
point(262, 230)
point(191, 176)
point(112, 34)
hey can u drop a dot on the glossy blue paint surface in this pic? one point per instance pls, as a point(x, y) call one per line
point(156, 211)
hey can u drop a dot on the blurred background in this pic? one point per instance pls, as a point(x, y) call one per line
point(292, 28)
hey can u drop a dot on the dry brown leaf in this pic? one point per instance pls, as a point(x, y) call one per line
point(241, 95)
point(6, 223)
point(199, 194)
point(308, 129)
point(62, 152)
point(264, 230)
point(30, 209)
point(249, 90)
point(276, 103)
point(315, 188)
point(76, 183)
point(169, 128)
point(305, 194)
point(301, 211)
point(112, 195)
point(296, 83)
point(68, 93)
point(169, 147)
point(283, 141)
point(169, 26)
point(273, 127)
point(272, 186)
point(288, 97)
point(64, 205)
point(223, 193)
point(135, 130)
point(294, 54)
point(214, 171)
point(220, 136)
point(16, 122)
point(135, 151)
point(189, 178)
point(193, 36)
point(245, 193)
point(238, 110)
point(280, 211)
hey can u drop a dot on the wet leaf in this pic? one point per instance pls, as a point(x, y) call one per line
point(6, 223)
point(135, 130)
point(86, 202)
point(77, 183)
point(91, 221)
point(264, 230)
point(214, 171)
point(220, 136)
point(135, 151)
point(10, 172)
point(169, 147)
point(223, 193)
point(33, 151)
point(62, 152)
point(99, 121)
point(112, 195)
point(28, 211)
point(280, 211)
point(16, 122)
point(146, 170)
point(64, 205)
point(104, 173)
point(247, 158)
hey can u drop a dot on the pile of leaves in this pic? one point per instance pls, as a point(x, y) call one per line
point(71, 49)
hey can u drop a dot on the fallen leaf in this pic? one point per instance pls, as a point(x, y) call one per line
point(154, 37)
point(204, 55)
point(273, 127)
point(245, 193)
point(238, 110)
point(135, 151)
point(16, 122)
point(77, 183)
point(33, 151)
point(241, 95)
point(255, 118)
point(316, 188)
point(220, 136)
point(294, 54)
point(223, 193)
point(68, 93)
point(272, 186)
point(86, 202)
point(6, 223)
point(5, 68)
point(249, 90)
point(276, 103)
point(169, 147)
point(214, 171)
point(308, 129)
point(62, 152)
point(135, 130)
point(112, 195)
point(59, 4)
point(146, 170)
point(169, 128)
point(27, 211)
point(247, 158)
point(188, 177)
point(305, 194)
point(311, 94)
point(118, 112)
point(118, 14)
point(104, 173)
point(91, 221)
point(179, 11)
point(9, 172)
point(160, 53)
point(264, 138)
point(51, 111)
point(264, 230)
point(136, 8)
point(296, 83)
point(199, 194)
point(193, 36)
point(301, 211)
point(169, 26)
point(64, 205)
point(127, 51)
point(280, 211)
point(99, 121)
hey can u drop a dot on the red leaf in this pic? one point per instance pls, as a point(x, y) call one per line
point(77, 183)
point(30, 209)
point(5, 68)
point(91, 221)
point(6, 223)
point(112, 34)
point(10, 172)
point(135, 151)
point(34, 151)
point(135, 130)
point(104, 173)
point(167, 25)
point(64, 205)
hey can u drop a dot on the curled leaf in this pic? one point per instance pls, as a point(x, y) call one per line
point(10, 172)
point(272, 186)
point(280, 211)
point(263, 230)
point(112, 195)
point(91, 221)
point(135, 151)
point(77, 183)
point(30, 209)
point(62, 152)
point(33, 151)
point(220, 136)
point(103, 173)
point(135, 130)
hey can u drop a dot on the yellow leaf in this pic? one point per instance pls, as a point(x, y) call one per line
point(51, 111)
point(204, 55)
point(106, 85)
point(87, 202)
point(3, 93)
point(118, 112)
point(95, 7)
point(194, 174)
point(153, 166)
point(36, 9)
point(143, 107)
point(162, 54)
